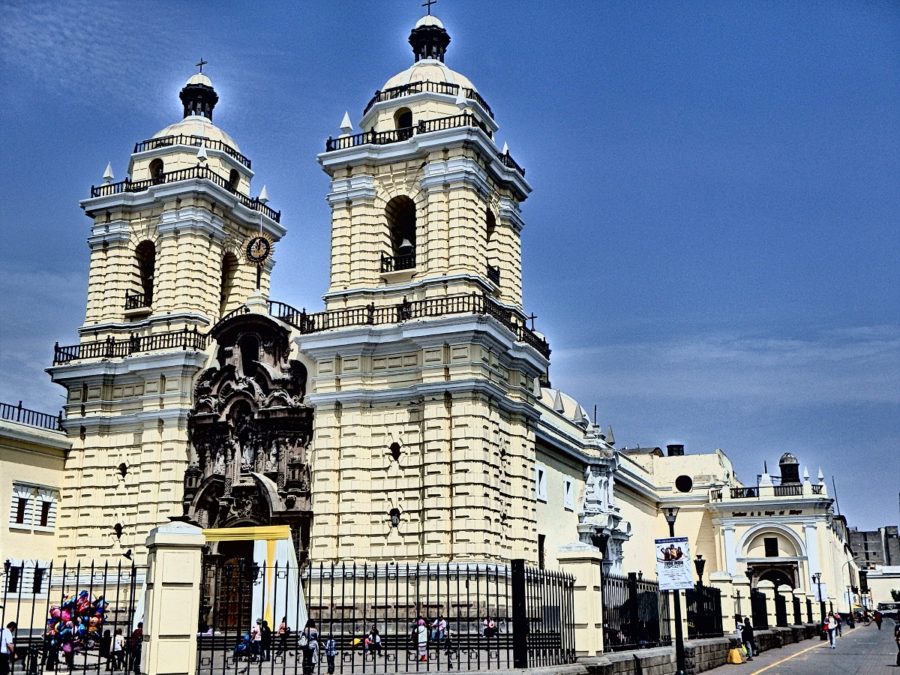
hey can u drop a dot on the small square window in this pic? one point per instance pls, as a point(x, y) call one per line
point(771, 544)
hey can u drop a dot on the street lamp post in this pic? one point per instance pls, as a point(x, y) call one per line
point(817, 578)
point(671, 514)
point(850, 588)
point(699, 565)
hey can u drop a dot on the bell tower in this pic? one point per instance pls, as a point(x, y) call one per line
point(169, 258)
point(426, 378)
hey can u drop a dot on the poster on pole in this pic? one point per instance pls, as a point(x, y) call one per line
point(673, 564)
point(820, 591)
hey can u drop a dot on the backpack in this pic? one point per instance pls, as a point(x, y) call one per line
point(303, 642)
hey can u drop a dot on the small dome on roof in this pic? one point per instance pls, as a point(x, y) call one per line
point(788, 458)
point(197, 125)
point(429, 20)
point(428, 70)
point(199, 78)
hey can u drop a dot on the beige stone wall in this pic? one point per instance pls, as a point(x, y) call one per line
point(557, 520)
point(133, 413)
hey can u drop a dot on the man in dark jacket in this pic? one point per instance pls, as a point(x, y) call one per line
point(747, 638)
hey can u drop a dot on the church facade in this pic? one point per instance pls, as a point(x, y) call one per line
point(413, 419)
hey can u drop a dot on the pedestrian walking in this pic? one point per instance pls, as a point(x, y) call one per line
point(118, 650)
point(837, 617)
point(7, 647)
point(897, 639)
point(136, 644)
point(330, 653)
point(266, 640)
point(372, 644)
point(283, 631)
point(309, 644)
point(256, 640)
point(832, 630)
point(878, 619)
point(105, 648)
point(420, 638)
point(748, 639)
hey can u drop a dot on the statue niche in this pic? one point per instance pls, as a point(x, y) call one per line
point(250, 430)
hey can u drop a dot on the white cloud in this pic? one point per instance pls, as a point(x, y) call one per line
point(851, 365)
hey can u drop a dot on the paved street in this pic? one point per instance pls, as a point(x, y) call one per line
point(864, 650)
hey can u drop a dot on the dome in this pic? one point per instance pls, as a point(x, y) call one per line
point(565, 405)
point(429, 20)
point(199, 78)
point(197, 125)
point(788, 458)
point(428, 70)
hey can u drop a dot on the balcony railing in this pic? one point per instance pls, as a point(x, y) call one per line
point(493, 274)
point(818, 489)
point(196, 141)
point(138, 300)
point(795, 490)
point(31, 418)
point(111, 348)
point(744, 492)
point(405, 311)
point(405, 133)
point(395, 263)
point(426, 86)
point(192, 173)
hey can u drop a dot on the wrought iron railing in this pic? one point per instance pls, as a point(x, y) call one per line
point(196, 141)
point(789, 490)
point(31, 418)
point(507, 160)
point(111, 348)
point(386, 617)
point(758, 609)
point(138, 300)
point(744, 492)
point(426, 86)
point(704, 612)
point(781, 613)
point(818, 489)
point(493, 274)
point(395, 263)
point(635, 613)
point(63, 611)
point(191, 173)
point(471, 303)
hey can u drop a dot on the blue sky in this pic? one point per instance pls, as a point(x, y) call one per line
point(712, 242)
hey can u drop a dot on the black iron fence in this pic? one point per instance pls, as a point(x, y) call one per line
point(426, 86)
point(196, 141)
point(758, 609)
point(74, 617)
point(31, 418)
point(383, 618)
point(781, 614)
point(110, 348)
point(635, 613)
point(704, 612)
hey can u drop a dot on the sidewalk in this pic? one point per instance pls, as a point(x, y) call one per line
point(863, 650)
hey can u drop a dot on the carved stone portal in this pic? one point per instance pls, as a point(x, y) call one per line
point(250, 431)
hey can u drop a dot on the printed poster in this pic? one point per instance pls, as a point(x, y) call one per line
point(673, 564)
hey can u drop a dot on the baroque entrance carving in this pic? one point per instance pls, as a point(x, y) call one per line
point(250, 430)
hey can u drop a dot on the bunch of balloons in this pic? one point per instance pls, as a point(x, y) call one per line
point(76, 623)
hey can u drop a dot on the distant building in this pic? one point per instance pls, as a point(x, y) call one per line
point(876, 547)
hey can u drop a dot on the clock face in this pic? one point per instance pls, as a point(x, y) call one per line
point(258, 249)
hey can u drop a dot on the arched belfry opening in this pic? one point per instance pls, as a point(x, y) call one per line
point(400, 214)
point(403, 121)
point(157, 171)
point(234, 179)
point(145, 268)
point(229, 272)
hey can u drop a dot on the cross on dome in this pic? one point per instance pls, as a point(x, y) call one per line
point(203, 63)
point(428, 4)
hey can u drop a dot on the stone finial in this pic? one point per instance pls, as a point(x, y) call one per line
point(505, 150)
point(461, 100)
point(805, 474)
point(821, 477)
point(609, 435)
point(558, 402)
point(201, 154)
point(346, 124)
point(108, 174)
point(263, 195)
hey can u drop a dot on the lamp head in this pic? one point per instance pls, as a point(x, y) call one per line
point(750, 572)
point(671, 513)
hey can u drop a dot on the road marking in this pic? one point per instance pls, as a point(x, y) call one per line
point(788, 658)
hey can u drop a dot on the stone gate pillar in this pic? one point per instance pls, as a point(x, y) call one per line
point(585, 563)
point(172, 602)
point(767, 588)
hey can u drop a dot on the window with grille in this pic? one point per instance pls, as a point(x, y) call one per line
point(540, 482)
